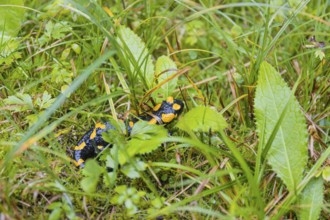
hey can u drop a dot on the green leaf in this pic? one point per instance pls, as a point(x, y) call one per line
point(45, 101)
point(56, 214)
point(319, 54)
point(132, 170)
point(54, 205)
point(202, 118)
point(33, 118)
point(311, 200)
point(57, 30)
point(326, 174)
point(54, 31)
point(65, 54)
point(10, 17)
point(92, 172)
point(137, 54)
point(20, 102)
point(144, 139)
point(60, 74)
point(165, 68)
point(76, 48)
point(288, 152)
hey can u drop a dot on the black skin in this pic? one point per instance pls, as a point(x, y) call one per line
point(95, 145)
point(91, 150)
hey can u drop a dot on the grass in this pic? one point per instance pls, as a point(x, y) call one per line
point(66, 70)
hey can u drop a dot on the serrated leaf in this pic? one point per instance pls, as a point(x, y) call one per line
point(137, 54)
point(144, 139)
point(92, 172)
point(165, 68)
point(202, 118)
point(311, 200)
point(45, 101)
point(20, 102)
point(288, 152)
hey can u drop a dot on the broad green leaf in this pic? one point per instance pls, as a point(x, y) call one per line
point(288, 152)
point(144, 139)
point(92, 172)
point(11, 17)
point(202, 118)
point(137, 54)
point(311, 200)
point(8, 51)
point(165, 68)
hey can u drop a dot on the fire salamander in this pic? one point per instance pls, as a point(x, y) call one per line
point(92, 142)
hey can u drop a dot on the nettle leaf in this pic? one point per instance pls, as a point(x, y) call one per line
point(11, 17)
point(92, 172)
point(165, 68)
point(137, 54)
point(288, 152)
point(202, 118)
point(144, 139)
point(311, 200)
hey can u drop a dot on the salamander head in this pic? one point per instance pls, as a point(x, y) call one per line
point(168, 110)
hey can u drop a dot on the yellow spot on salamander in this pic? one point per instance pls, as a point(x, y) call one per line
point(170, 99)
point(97, 125)
point(131, 124)
point(156, 108)
point(100, 125)
point(80, 161)
point(176, 107)
point(93, 134)
point(100, 147)
point(80, 146)
point(153, 121)
point(167, 118)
